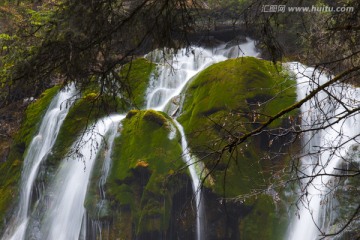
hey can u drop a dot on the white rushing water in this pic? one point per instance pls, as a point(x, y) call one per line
point(174, 72)
point(36, 153)
point(65, 212)
point(317, 146)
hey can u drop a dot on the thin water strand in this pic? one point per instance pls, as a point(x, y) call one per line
point(97, 225)
point(196, 181)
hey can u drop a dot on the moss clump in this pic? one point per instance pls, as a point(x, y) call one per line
point(11, 169)
point(137, 75)
point(142, 182)
point(230, 99)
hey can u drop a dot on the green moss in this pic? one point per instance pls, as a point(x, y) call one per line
point(93, 106)
point(142, 179)
point(137, 75)
point(11, 169)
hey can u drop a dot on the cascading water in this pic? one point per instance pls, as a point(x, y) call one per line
point(173, 75)
point(65, 212)
point(60, 213)
point(36, 153)
point(317, 146)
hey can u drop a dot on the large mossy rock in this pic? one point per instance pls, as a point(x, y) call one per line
point(10, 170)
point(144, 184)
point(225, 101)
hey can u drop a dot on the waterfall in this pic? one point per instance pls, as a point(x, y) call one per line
point(36, 153)
point(66, 212)
point(174, 73)
point(319, 155)
point(60, 213)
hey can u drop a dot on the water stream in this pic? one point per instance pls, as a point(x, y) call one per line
point(65, 212)
point(319, 153)
point(36, 153)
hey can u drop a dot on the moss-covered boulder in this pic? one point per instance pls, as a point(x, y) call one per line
point(144, 181)
point(222, 103)
point(10, 170)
